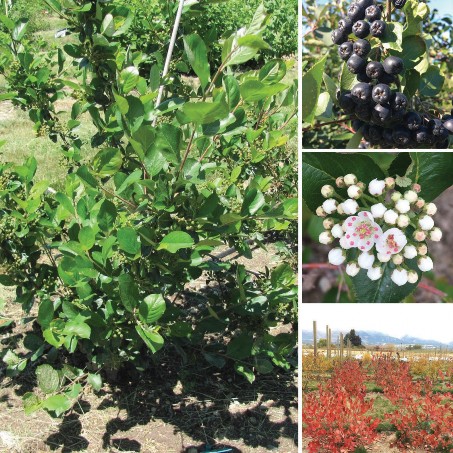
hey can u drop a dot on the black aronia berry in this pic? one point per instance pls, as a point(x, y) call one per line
point(377, 103)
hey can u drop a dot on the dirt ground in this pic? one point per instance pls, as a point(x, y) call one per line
point(317, 282)
point(178, 407)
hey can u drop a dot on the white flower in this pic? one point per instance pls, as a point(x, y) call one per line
point(325, 237)
point(435, 234)
point(374, 273)
point(419, 235)
point(425, 264)
point(397, 259)
point(426, 222)
point(391, 242)
point(412, 277)
point(337, 231)
point(430, 208)
point(327, 191)
point(352, 269)
point(336, 256)
point(403, 221)
point(328, 223)
point(396, 196)
point(376, 187)
point(411, 196)
point(354, 192)
point(350, 179)
point(361, 231)
point(350, 207)
point(366, 260)
point(330, 205)
point(402, 206)
point(422, 249)
point(410, 252)
point(399, 277)
point(320, 212)
point(383, 257)
point(378, 210)
point(390, 217)
point(390, 183)
point(345, 243)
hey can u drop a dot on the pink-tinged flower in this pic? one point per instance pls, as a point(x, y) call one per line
point(361, 231)
point(391, 242)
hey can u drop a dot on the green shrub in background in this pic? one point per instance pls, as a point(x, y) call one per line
point(33, 11)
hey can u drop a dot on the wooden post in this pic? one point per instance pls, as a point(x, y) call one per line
point(315, 341)
point(349, 347)
point(327, 341)
point(341, 346)
point(330, 341)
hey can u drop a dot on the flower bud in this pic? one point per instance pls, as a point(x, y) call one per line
point(337, 231)
point(399, 277)
point(410, 252)
point(430, 208)
point(419, 235)
point(350, 179)
point(354, 192)
point(378, 210)
point(376, 187)
point(366, 260)
point(384, 257)
point(352, 269)
point(350, 207)
point(374, 272)
point(336, 256)
point(425, 264)
point(326, 237)
point(340, 209)
point(411, 196)
point(422, 249)
point(416, 188)
point(361, 185)
point(403, 221)
point(420, 203)
point(328, 223)
point(327, 191)
point(397, 259)
point(390, 183)
point(412, 277)
point(426, 222)
point(402, 206)
point(396, 196)
point(435, 234)
point(330, 206)
point(340, 182)
point(320, 212)
point(390, 217)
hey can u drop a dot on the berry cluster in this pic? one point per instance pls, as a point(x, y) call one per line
point(383, 114)
point(389, 226)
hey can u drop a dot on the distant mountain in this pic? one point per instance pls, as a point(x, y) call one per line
point(374, 338)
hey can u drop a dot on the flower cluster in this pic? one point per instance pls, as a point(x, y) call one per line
point(387, 226)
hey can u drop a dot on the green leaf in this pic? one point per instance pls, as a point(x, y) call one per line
point(254, 90)
point(152, 308)
point(48, 379)
point(85, 175)
point(45, 313)
point(311, 87)
point(240, 348)
point(87, 237)
point(244, 371)
point(319, 169)
point(106, 216)
point(431, 82)
point(58, 404)
point(205, 112)
point(175, 241)
point(215, 360)
point(20, 29)
point(54, 4)
point(263, 366)
point(355, 140)
point(254, 42)
point(135, 114)
point(393, 36)
point(253, 202)
point(347, 78)
point(197, 55)
point(128, 290)
point(95, 380)
point(433, 171)
point(129, 78)
point(7, 96)
point(168, 142)
point(272, 72)
point(77, 328)
point(107, 162)
point(414, 50)
point(128, 240)
point(152, 339)
point(31, 403)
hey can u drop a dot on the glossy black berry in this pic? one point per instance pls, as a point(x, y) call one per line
point(374, 69)
point(366, 132)
point(363, 112)
point(345, 24)
point(399, 102)
point(381, 113)
point(362, 47)
point(362, 77)
point(401, 136)
point(364, 3)
point(436, 127)
point(381, 93)
point(361, 29)
point(356, 12)
point(356, 125)
point(345, 50)
point(339, 36)
point(393, 65)
point(377, 28)
point(412, 120)
point(361, 93)
point(421, 135)
point(356, 64)
point(375, 134)
point(387, 136)
point(387, 78)
point(448, 125)
point(347, 102)
point(447, 117)
point(398, 4)
point(373, 13)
